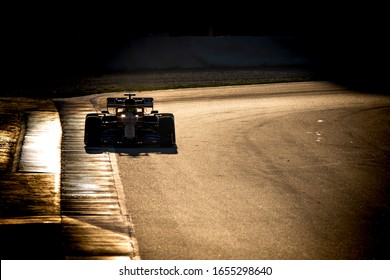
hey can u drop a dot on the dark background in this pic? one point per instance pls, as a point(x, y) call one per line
point(58, 41)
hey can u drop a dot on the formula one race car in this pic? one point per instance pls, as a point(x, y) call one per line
point(111, 127)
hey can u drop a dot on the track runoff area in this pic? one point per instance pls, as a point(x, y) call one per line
point(195, 269)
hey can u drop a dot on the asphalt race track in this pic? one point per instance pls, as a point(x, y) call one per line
point(277, 171)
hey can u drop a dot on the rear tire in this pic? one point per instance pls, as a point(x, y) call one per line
point(92, 132)
point(166, 130)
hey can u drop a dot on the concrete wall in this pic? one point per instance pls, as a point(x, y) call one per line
point(203, 52)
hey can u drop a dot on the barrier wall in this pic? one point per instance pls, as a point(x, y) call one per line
point(200, 52)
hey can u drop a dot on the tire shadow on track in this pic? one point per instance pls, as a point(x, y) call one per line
point(133, 151)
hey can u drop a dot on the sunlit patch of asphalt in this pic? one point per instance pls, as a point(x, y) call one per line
point(12, 118)
point(41, 150)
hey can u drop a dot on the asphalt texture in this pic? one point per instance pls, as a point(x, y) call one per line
point(278, 171)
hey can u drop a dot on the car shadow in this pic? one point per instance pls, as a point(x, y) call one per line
point(133, 150)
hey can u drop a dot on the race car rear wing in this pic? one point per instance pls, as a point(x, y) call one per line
point(146, 102)
point(115, 101)
point(140, 102)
